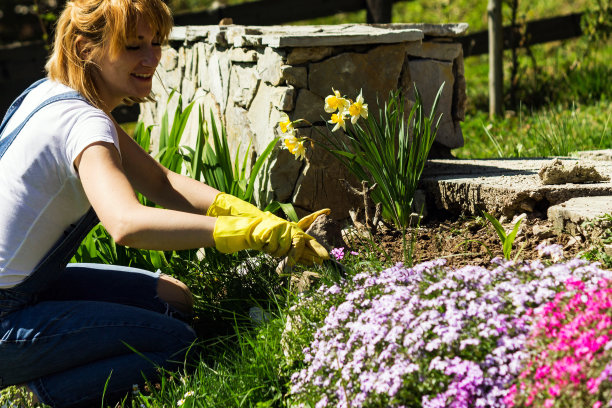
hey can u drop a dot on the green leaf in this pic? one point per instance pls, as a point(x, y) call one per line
point(257, 166)
point(501, 233)
point(510, 239)
point(287, 208)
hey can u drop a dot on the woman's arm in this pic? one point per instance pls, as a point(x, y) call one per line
point(130, 223)
point(162, 186)
point(112, 196)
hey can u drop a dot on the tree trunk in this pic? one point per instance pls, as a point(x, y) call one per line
point(379, 11)
point(496, 48)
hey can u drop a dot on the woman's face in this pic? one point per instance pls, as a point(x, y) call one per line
point(130, 72)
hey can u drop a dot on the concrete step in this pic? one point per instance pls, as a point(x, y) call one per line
point(504, 186)
point(582, 216)
point(604, 154)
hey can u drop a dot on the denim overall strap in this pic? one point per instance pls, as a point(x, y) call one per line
point(17, 102)
point(7, 141)
point(63, 250)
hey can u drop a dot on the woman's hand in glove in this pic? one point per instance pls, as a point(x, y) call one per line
point(241, 225)
point(270, 234)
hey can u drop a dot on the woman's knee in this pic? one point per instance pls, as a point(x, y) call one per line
point(175, 293)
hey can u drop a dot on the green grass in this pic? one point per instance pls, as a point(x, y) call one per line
point(474, 12)
point(560, 100)
point(242, 371)
point(550, 131)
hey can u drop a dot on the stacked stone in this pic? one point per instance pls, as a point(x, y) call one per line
point(248, 76)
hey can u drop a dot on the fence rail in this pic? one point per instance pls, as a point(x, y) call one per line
point(271, 12)
point(533, 32)
point(20, 66)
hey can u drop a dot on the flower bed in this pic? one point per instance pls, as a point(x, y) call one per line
point(570, 350)
point(427, 336)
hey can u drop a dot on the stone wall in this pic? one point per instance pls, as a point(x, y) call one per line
point(249, 75)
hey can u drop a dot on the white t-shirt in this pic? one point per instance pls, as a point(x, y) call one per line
point(40, 191)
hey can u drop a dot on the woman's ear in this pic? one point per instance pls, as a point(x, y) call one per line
point(82, 48)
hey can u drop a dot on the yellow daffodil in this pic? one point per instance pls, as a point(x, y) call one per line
point(290, 143)
point(285, 124)
point(338, 119)
point(335, 102)
point(295, 145)
point(300, 151)
point(358, 109)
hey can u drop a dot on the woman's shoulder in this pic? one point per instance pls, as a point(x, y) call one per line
point(57, 114)
point(51, 88)
point(77, 107)
point(48, 90)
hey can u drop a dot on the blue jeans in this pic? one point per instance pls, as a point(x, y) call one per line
point(68, 329)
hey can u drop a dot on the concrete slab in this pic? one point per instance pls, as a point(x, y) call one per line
point(572, 214)
point(503, 186)
point(605, 154)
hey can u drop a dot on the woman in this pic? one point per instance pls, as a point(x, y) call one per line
point(70, 332)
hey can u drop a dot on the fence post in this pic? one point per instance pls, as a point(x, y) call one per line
point(379, 11)
point(496, 49)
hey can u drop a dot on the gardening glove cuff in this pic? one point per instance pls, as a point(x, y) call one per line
point(227, 204)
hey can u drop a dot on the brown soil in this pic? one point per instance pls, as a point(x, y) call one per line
point(473, 241)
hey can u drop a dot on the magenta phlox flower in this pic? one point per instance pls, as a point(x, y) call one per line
point(569, 344)
point(337, 253)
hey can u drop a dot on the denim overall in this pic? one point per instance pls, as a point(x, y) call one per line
point(69, 331)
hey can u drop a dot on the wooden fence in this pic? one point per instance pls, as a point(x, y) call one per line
point(271, 12)
point(20, 66)
point(533, 32)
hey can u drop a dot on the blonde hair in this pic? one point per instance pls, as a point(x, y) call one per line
point(105, 25)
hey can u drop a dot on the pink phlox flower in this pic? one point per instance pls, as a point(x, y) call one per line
point(337, 253)
point(554, 390)
point(593, 385)
point(542, 372)
point(509, 398)
point(603, 323)
point(573, 283)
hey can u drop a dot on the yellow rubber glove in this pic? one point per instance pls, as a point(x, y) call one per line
point(263, 230)
point(306, 250)
point(269, 234)
point(227, 204)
